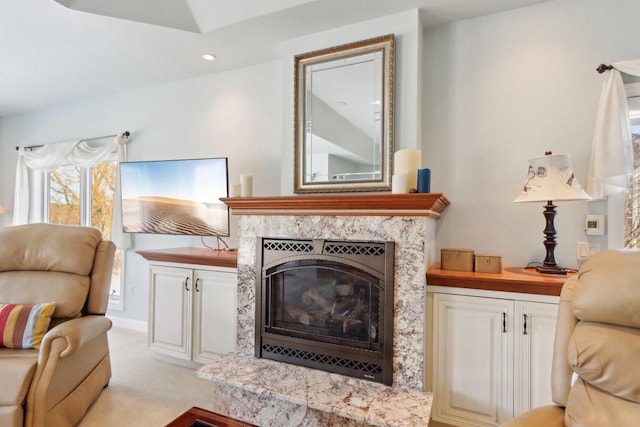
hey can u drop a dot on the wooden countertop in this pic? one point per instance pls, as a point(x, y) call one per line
point(199, 256)
point(512, 279)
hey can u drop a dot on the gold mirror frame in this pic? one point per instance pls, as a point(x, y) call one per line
point(380, 181)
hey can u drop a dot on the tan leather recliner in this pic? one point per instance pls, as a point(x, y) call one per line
point(595, 377)
point(54, 385)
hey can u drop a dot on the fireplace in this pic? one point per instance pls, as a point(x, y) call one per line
point(326, 304)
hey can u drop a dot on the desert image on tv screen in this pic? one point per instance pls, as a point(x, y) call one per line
point(175, 197)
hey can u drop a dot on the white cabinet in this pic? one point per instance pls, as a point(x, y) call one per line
point(192, 311)
point(214, 314)
point(491, 354)
point(533, 354)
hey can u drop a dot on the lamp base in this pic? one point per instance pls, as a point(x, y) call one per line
point(546, 269)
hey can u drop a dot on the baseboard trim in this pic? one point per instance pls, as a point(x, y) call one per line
point(122, 322)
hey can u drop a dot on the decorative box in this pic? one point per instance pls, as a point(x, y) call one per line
point(456, 259)
point(488, 263)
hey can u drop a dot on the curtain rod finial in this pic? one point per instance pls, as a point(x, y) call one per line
point(602, 68)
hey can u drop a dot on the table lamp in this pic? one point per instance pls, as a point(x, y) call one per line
point(550, 178)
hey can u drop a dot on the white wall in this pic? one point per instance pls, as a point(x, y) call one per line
point(233, 114)
point(502, 89)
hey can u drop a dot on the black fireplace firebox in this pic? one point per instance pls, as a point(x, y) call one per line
point(326, 304)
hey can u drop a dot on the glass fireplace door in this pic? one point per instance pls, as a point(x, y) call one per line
point(324, 301)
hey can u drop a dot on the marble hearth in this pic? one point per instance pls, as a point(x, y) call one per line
point(407, 219)
point(275, 394)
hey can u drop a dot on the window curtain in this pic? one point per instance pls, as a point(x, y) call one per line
point(76, 153)
point(612, 155)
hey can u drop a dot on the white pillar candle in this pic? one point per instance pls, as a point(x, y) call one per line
point(235, 189)
point(408, 161)
point(246, 185)
point(399, 183)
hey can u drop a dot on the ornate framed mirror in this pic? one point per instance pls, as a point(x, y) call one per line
point(344, 117)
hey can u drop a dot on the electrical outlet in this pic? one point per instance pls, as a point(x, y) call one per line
point(593, 248)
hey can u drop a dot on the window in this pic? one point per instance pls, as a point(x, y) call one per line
point(632, 196)
point(632, 193)
point(64, 196)
point(84, 196)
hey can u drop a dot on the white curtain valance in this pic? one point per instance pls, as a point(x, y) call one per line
point(612, 155)
point(76, 153)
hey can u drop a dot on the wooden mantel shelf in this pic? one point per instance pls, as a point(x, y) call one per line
point(377, 204)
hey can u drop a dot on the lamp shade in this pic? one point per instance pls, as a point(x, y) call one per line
point(550, 177)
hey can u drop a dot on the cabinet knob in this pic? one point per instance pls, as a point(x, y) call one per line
point(186, 284)
point(197, 281)
point(524, 330)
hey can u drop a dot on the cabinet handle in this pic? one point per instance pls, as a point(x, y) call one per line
point(197, 281)
point(504, 322)
point(186, 284)
point(524, 332)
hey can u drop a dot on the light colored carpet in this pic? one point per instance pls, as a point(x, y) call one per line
point(144, 391)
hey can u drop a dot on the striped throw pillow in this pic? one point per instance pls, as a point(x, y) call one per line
point(24, 325)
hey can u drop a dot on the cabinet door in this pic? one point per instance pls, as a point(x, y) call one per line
point(473, 353)
point(214, 313)
point(534, 353)
point(169, 311)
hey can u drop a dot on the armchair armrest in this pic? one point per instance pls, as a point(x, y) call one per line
point(75, 332)
point(69, 352)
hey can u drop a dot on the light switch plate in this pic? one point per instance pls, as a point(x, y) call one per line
point(582, 251)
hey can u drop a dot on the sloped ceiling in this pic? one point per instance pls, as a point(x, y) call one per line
point(53, 51)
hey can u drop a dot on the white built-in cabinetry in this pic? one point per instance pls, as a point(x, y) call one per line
point(192, 309)
point(491, 350)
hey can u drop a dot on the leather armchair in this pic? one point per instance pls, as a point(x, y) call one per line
point(595, 377)
point(54, 385)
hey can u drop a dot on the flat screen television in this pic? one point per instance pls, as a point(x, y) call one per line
point(180, 197)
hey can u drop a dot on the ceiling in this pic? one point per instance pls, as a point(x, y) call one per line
point(54, 51)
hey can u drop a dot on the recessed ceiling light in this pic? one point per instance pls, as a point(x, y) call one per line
point(208, 57)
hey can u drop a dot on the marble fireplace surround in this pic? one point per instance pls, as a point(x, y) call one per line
point(407, 219)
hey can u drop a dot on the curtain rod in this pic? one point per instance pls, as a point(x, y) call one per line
point(603, 67)
point(126, 134)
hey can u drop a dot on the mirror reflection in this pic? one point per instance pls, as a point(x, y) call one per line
point(344, 117)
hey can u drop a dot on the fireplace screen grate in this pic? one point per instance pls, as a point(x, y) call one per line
point(367, 368)
point(284, 246)
point(354, 250)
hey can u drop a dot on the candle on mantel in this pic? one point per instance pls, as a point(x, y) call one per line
point(424, 180)
point(235, 190)
point(408, 161)
point(399, 183)
point(246, 185)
